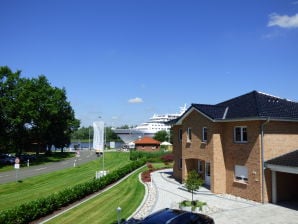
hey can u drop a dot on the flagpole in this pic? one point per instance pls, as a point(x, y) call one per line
point(104, 145)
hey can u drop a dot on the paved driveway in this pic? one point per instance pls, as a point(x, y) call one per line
point(223, 208)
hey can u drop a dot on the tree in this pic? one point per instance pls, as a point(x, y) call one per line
point(193, 182)
point(9, 120)
point(52, 117)
point(83, 134)
point(32, 111)
point(161, 136)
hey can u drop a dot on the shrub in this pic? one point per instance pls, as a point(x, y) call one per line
point(149, 156)
point(150, 166)
point(146, 176)
point(35, 209)
point(193, 204)
point(167, 158)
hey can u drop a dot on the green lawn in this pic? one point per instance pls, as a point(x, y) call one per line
point(12, 194)
point(42, 159)
point(102, 209)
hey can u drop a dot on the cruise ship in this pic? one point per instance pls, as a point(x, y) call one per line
point(155, 124)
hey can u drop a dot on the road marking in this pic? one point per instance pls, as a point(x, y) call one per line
point(4, 176)
point(43, 168)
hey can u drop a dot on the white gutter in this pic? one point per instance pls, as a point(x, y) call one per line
point(284, 169)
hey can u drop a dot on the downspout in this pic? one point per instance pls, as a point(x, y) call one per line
point(262, 158)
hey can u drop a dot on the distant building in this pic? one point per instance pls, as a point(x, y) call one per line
point(147, 144)
point(241, 146)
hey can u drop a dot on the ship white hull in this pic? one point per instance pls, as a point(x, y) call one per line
point(148, 129)
point(130, 135)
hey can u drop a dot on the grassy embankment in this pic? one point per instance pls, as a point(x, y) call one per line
point(16, 193)
point(42, 159)
point(102, 209)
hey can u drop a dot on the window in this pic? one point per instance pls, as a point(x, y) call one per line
point(180, 135)
point(188, 134)
point(180, 163)
point(207, 171)
point(240, 134)
point(241, 173)
point(200, 166)
point(204, 134)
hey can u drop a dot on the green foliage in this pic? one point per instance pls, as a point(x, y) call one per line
point(84, 133)
point(161, 136)
point(128, 195)
point(16, 193)
point(193, 182)
point(156, 156)
point(35, 209)
point(193, 204)
point(33, 111)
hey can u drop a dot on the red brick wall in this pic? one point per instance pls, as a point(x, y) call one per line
point(280, 138)
point(177, 151)
point(196, 149)
point(224, 153)
point(147, 148)
point(243, 154)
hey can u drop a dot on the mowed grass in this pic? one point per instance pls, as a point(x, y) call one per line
point(102, 209)
point(42, 159)
point(16, 193)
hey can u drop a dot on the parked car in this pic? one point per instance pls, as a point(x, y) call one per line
point(173, 216)
point(25, 157)
point(7, 159)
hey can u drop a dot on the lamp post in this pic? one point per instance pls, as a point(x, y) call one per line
point(118, 214)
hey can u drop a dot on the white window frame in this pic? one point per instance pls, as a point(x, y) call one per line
point(200, 166)
point(241, 173)
point(204, 131)
point(188, 135)
point(242, 128)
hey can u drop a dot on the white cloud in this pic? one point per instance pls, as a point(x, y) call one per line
point(284, 21)
point(135, 100)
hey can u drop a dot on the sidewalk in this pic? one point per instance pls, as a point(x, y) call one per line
point(222, 208)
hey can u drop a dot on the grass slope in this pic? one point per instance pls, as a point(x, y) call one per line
point(102, 209)
point(16, 193)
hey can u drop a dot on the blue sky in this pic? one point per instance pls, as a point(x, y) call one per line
point(125, 60)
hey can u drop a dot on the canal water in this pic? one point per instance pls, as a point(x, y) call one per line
point(86, 145)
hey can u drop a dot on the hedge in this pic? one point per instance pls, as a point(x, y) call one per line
point(149, 156)
point(41, 207)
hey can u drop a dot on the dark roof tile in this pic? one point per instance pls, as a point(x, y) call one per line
point(251, 105)
point(289, 159)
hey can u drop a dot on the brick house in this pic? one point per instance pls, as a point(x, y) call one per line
point(147, 144)
point(233, 145)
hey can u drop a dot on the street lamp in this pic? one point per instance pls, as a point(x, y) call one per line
point(118, 214)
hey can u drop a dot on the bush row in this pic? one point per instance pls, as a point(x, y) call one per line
point(38, 208)
point(149, 156)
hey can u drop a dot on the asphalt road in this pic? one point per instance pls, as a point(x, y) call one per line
point(24, 172)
